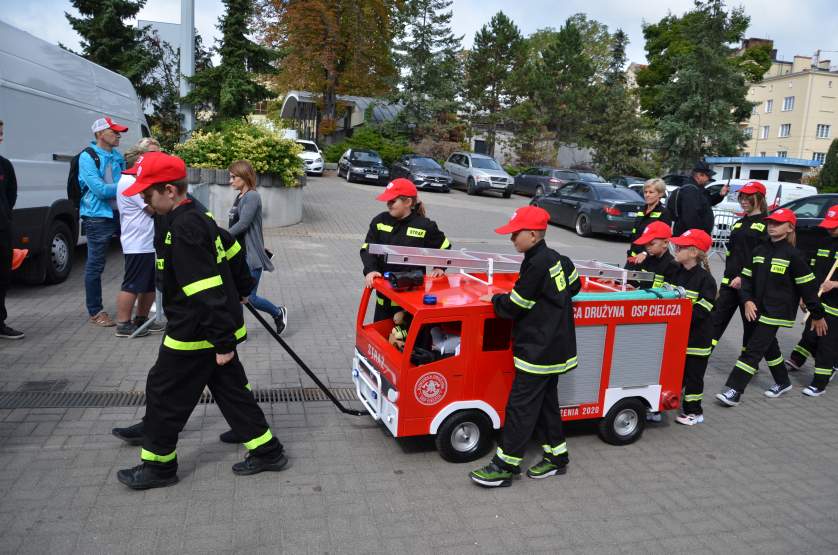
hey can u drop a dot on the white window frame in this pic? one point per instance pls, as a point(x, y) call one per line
point(823, 126)
point(764, 131)
point(782, 154)
point(819, 156)
point(785, 130)
point(749, 132)
point(788, 104)
point(769, 105)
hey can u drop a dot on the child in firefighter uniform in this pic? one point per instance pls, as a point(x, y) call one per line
point(205, 322)
point(772, 283)
point(543, 346)
point(656, 258)
point(404, 224)
point(824, 349)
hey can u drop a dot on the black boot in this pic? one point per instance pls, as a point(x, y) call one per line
point(132, 435)
point(146, 476)
point(254, 464)
point(230, 437)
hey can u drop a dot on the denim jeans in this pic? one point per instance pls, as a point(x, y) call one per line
point(258, 302)
point(99, 232)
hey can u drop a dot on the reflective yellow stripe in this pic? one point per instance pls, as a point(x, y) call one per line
point(415, 232)
point(804, 279)
point(160, 263)
point(384, 227)
point(780, 261)
point(823, 252)
point(380, 301)
point(508, 459)
point(758, 259)
point(823, 371)
point(655, 215)
point(714, 342)
point(525, 366)
point(248, 387)
point(775, 361)
point(725, 281)
point(220, 253)
point(693, 295)
point(705, 304)
point(259, 441)
point(556, 269)
point(574, 275)
point(201, 285)
point(749, 369)
point(446, 244)
point(209, 215)
point(693, 398)
point(560, 449)
point(776, 322)
point(365, 246)
point(698, 351)
point(746, 272)
point(799, 349)
point(151, 457)
point(831, 310)
point(520, 301)
point(737, 225)
point(758, 226)
point(179, 345)
point(168, 239)
point(233, 250)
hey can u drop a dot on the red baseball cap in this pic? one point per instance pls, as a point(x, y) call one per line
point(526, 217)
point(399, 187)
point(783, 215)
point(752, 187)
point(655, 230)
point(694, 238)
point(107, 123)
point(154, 167)
point(830, 221)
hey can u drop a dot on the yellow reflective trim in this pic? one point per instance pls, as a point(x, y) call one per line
point(233, 250)
point(446, 244)
point(758, 259)
point(168, 239)
point(737, 225)
point(259, 441)
point(725, 281)
point(384, 227)
point(758, 226)
point(774, 361)
point(160, 263)
point(776, 322)
point(823, 252)
point(831, 310)
point(780, 261)
point(694, 397)
point(151, 457)
point(508, 459)
point(202, 284)
point(804, 279)
point(823, 371)
point(560, 449)
point(209, 214)
point(799, 349)
point(415, 232)
point(364, 246)
point(705, 304)
point(520, 301)
point(530, 368)
point(379, 300)
point(220, 253)
point(749, 369)
point(746, 272)
point(778, 268)
point(655, 215)
point(248, 387)
point(179, 345)
point(556, 269)
point(574, 275)
point(699, 352)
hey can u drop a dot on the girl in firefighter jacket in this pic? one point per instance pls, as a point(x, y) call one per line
point(823, 349)
point(403, 224)
point(693, 274)
point(772, 283)
point(543, 346)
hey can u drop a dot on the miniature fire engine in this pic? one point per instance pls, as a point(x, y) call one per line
point(455, 371)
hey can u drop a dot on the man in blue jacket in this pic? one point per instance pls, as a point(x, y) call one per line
point(98, 186)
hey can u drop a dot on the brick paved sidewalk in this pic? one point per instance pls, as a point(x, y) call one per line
point(759, 478)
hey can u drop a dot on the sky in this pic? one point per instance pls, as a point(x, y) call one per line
point(796, 26)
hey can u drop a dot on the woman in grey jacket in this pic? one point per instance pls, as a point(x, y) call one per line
point(245, 224)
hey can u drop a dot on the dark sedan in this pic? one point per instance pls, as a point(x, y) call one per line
point(363, 165)
point(628, 180)
point(810, 211)
point(423, 171)
point(542, 180)
point(593, 207)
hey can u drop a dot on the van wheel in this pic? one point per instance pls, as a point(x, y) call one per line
point(470, 187)
point(624, 423)
point(58, 254)
point(583, 225)
point(507, 194)
point(464, 436)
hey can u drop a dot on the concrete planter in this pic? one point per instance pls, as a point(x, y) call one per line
point(222, 177)
point(193, 175)
point(281, 206)
point(207, 175)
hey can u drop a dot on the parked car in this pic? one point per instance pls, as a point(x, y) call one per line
point(593, 207)
point(478, 172)
point(810, 211)
point(776, 193)
point(628, 180)
point(311, 157)
point(542, 180)
point(423, 171)
point(363, 165)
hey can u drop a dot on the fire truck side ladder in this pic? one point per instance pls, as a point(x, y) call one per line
point(467, 261)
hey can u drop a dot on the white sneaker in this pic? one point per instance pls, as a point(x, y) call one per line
point(689, 419)
point(813, 391)
point(776, 390)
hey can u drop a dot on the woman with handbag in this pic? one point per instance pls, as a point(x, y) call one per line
point(245, 224)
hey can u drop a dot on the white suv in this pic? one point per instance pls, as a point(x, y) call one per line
point(311, 156)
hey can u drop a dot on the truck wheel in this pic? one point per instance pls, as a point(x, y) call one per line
point(507, 194)
point(58, 254)
point(624, 423)
point(470, 187)
point(583, 225)
point(464, 436)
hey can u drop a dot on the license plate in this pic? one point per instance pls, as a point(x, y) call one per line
point(371, 176)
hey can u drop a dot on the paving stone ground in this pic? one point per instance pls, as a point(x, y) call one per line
point(759, 478)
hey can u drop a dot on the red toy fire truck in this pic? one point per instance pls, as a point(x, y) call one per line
point(454, 374)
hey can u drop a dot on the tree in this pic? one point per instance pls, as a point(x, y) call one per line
point(426, 53)
point(233, 87)
point(109, 42)
point(828, 176)
point(166, 119)
point(694, 87)
point(498, 49)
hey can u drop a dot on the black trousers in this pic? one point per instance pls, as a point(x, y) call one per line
point(384, 308)
point(762, 343)
point(823, 349)
point(532, 409)
point(726, 305)
point(5, 270)
point(173, 388)
point(694, 369)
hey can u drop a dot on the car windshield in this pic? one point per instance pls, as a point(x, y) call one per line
point(308, 147)
point(485, 164)
point(586, 176)
point(633, 180)
point(425, 164)
point(364, 156)
point(618, 193)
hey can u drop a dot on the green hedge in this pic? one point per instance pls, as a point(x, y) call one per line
point(370, 138)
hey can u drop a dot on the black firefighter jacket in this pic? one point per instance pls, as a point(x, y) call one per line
point(822, 264)
point(700, 288)
point(543, 332)
point(745, 235)
point(412, 231)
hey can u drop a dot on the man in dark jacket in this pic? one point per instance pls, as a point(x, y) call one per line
point(694, 204)
point(8, 197)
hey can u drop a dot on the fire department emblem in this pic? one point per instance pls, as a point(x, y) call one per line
point(431, 388)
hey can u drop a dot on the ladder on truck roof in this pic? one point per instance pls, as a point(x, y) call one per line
point(490, 262)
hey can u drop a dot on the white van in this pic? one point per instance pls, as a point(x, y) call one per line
point(48, 99)
point(776, 193)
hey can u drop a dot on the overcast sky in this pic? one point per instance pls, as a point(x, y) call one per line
point(797, 26)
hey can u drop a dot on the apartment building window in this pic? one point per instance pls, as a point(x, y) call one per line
point(788, 104)
point(819, 156)
point(823, 131)
point(762, 154)
point(763, 132)
point(755, 109)
point(749, 132)
point(782, 154)
point(769, 106)
point(785, 130)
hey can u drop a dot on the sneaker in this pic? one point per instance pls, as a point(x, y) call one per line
point(729, 397)
point(10, 333)
point(281, 320)
point(791, 366)
point(689, 419)
point(253, 464)
point(654, 416)
point(812, 391)
point(132, 435)
point(492, 476)
point(546, 468)
point(776, 390)
point(102, 319)
point(127, 329)
point(146, 477)
point(230, 437)
point(157, 325)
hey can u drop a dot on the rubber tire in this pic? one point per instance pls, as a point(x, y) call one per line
point(349, 177)
point(470, 187)
point(585, 230)
point(507, 194)
point(539, 191)
point(606, 425)
point(58, 233)
point(443, 436)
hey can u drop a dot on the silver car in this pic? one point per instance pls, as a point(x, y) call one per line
point(478, 172)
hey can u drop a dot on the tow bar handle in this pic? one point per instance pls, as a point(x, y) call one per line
point(303, 365)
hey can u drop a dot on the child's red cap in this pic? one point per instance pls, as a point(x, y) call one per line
point(830, 221)
point(752, 187)
point(697, 238)
point(655, 230)
point(154, 167)
point(783, 215)
point(526, 217)
point(399, 187)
